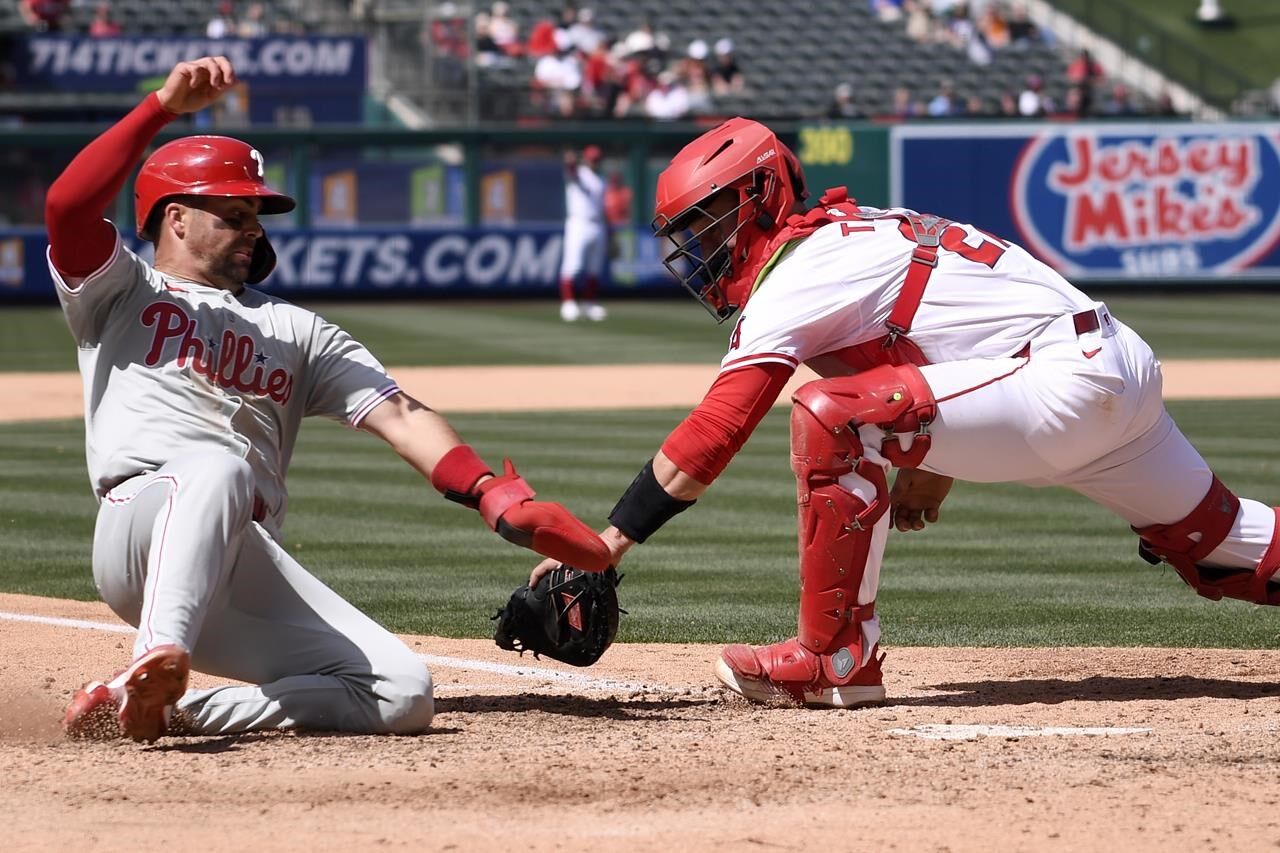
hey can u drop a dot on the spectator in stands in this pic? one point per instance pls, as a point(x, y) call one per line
point(944, 103)
point(586, 36)
point(1164, 106)
point(639, 78)
point(1008, 106)
point(963, 34)
point(1119, 103)
point(994, 28)
point(904, 105)
point(559, 75)
point(44, 15)
point(1031, 101)
point(504, 30)
point(726, 76)
point(697, 82)
point(976, 107)
point(1022, 31)
point(600, 81)
point(487, 51)
point(1084, 72)
point(103, 25)
point(842, 105)
point(919, 24)
point(1078, 101)
point(669, 99)
point(889, 11)
point(254, 23)
point(542, 39)
point(644, 42)
point(223, 24)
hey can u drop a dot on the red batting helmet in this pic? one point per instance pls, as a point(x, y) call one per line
point(207, 166)
point(746, 158)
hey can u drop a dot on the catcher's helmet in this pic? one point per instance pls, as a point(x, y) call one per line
point(747, 159)
point(207, 166)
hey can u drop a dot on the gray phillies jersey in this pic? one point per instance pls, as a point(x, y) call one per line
point(172, 367)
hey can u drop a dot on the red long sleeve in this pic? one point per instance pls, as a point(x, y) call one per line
point(80, 240)
point(702, 445)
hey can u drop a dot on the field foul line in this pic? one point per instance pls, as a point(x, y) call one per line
point(527, 672)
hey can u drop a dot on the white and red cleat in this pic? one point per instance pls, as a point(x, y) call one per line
point(135, 704)
point(788, 670)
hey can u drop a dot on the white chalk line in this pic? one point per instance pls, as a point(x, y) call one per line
point(943, 731)
point(533, 673)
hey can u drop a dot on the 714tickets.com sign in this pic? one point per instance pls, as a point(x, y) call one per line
point(1121, 202)
point(1166, 205)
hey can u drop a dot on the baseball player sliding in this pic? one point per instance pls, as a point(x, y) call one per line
point(946, 353)
point(195, 386)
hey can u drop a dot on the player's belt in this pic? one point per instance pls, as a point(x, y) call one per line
point(1091, 320)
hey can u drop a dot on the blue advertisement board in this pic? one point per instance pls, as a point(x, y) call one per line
point(324, 74)
point(395, 262)
point(1115, 202)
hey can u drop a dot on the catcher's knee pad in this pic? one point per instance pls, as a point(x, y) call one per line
point(1185, 543)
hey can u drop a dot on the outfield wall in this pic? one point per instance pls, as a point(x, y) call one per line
point(478, 213)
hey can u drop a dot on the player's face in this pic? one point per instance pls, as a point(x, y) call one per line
point(221, 233)
point(713, 226)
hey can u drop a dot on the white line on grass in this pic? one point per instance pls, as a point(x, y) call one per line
point(527, 672)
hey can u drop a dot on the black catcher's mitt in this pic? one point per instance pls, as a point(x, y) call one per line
point(570, 615)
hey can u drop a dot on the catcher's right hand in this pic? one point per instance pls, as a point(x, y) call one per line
point(915, 498)
point(569, 615)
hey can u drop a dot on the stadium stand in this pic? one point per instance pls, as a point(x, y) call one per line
point(791, 72)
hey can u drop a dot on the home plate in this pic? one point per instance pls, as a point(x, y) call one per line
point(940, 731)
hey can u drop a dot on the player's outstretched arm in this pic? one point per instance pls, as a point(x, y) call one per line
point(80, 239)
point(426, 441)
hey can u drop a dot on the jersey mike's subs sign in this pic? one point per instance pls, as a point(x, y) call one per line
point(1122, 202)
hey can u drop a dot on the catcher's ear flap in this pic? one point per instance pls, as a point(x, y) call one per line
point(264, 260)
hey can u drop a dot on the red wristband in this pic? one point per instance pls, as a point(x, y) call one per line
point(456, 473)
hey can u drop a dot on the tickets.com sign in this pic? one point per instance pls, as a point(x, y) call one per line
point(520, 262)
point(81, 63)
point(1097, 201)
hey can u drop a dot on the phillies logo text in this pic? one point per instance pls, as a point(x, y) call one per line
point(234, 362)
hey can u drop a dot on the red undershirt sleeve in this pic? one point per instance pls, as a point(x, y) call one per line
point(702, 445)
point(80, 239)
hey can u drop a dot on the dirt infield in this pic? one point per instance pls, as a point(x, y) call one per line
point(44, 396)
point(639, 753)
point(981, 749)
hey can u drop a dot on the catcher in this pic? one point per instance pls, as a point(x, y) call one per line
point(945, 352)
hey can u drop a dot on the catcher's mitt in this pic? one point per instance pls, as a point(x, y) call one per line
point(571, 615)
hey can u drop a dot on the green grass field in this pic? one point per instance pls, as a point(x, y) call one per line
point(1007, 566)
point(638, 331)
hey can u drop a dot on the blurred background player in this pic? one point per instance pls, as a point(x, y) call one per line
point(586, 237)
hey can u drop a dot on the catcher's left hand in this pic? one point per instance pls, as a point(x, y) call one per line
point(569, 615)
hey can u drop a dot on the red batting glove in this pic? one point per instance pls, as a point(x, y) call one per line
point(506, 505)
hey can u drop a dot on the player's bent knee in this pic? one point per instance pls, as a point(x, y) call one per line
point(1185, 543)
point(408, 703)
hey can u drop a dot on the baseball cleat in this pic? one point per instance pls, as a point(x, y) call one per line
point(789, 671)
point(569, 311)
point(135, 704)
point(595, 312)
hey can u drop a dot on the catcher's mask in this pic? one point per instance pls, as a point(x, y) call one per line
point(207, 166)
point(737, 183)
